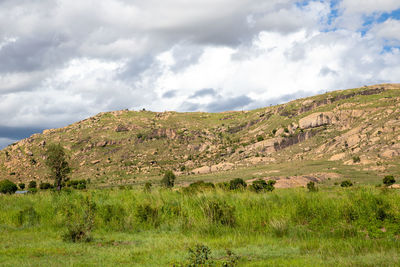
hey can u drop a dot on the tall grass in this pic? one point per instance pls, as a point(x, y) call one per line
point(361, 220)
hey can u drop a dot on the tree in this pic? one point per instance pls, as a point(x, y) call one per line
point(32, 184)
point(389, 180)
point(168, 180)
point(237, 183)
point(346, 183)
point(7, 187)
point(22, 186)
point(57, 162)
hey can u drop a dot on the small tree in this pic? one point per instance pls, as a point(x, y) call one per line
point(237, 183)
point(169, 179)
point(7, 187)
point(388, 180)
point(57, 162)
point(22, 186)
point(311, 186)
point(32, 184)
point(346, 183)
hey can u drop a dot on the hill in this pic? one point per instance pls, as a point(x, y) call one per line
point(351, 133)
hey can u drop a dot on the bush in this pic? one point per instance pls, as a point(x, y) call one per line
point(45, 186)
point(147, 187)
point(113, 215)
point(145, 213)
point(32, 184)
point(311, 186)
point(219, 213)
point(169, 179)
point(260, 138)
point(7, 187)
point(77, 184)
point(21, 186)
point(80, 221)
point(356, 159)
point(261, 185)
point(200, 255)
point(199, 186)
point(346, 183)
point(388, 180)
point(27, 217)
point(237, 183)
point(32, 190)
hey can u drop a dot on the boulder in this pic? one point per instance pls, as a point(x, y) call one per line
point(316, 120)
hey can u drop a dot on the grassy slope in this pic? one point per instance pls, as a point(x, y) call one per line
point(289, 227)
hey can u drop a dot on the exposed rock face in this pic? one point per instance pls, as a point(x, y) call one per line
point(316, 120)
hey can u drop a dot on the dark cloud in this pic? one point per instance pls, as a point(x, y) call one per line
point(231, 103)
point(326, 71)
point(169, 94)
point(17, 132)
point(28, 54)
point(204, 92)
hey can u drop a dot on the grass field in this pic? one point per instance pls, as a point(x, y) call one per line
point(357, 226)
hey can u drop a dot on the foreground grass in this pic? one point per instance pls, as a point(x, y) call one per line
point(291, 227)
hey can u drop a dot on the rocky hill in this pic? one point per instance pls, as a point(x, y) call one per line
point(357, 127)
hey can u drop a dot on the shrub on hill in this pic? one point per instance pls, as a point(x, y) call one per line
point(45, 186)
point(168, 180)
point(7, 187)
point(388, 180)
point(32, 184)
point(311, 187)
point(237, 183)
point(346, 183)
point(198, 186)
point(261, 185)
point(21, 186)
point(77, 184)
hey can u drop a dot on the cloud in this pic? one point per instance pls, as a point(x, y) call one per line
point(204, 92)
point(62, 61)
point(169, 94)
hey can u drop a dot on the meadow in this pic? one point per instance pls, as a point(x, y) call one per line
point(357, 226)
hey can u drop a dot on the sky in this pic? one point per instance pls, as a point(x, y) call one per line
point(62, 61)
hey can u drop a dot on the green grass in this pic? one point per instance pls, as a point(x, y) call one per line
point(357, 226)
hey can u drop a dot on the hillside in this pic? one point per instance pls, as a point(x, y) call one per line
point(351, 133)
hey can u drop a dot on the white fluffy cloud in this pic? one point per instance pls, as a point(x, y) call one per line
point(62, 61)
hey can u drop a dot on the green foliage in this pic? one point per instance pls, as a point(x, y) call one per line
point(32, 184)
point(168, 180)
point(79, 220)
point(200, 255)
point(199, 186)
point(237, 184)
point(311, 186)
point(346, 183)
point(388, 180)
point(77, 184)
point(147, 187)
point(32, 190)
point(45, 186)
point(231, 259)
point(7, 187)
point(145, 213)
point(57, 162)
point(261, 185)
point(356, 159)
point(27, 217)
point(219, 212)
point(260, 138)
point(21, 186)
point(112, 216)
